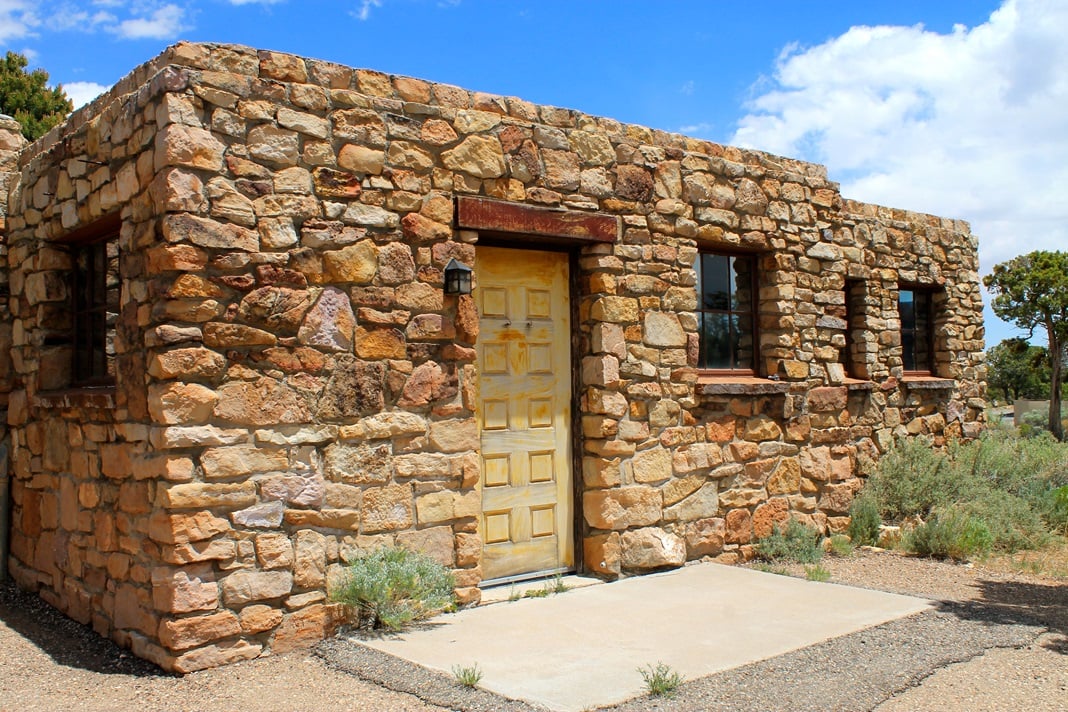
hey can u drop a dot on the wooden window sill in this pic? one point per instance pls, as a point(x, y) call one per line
point(95, 397)
point(710, 385)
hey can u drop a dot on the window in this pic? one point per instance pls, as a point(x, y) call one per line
point(916, 309)
point(853, 354)
point(726, 314)
point(93, 304)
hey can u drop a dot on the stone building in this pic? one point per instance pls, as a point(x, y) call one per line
point(230, 363)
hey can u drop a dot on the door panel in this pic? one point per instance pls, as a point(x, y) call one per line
point(524, 363)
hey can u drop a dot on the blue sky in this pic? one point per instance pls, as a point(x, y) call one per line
point(956, 107)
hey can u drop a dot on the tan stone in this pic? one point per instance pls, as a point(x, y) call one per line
point(181, 403)
point(772, 513)
point(212, 656)
point(435, 542)
point(345, 519)
point(355, 263)
point(309, 559)
point(183, 528)
point(479, 156)
point(739, 526)
point(240, 461)
point(305, 628)
point(195, 494)
point(274, 551)
point(663, 329)
point(387, 508)
point(653, 465)
point(651, 548)
point(377, 344)
point(762, 428)
point(702, 504)
point(187, 363)
point(603, 553)
point(243, 587)
point(190, 632)
point(454, 435)
point(263, 402)
point(705, 537)
point(185, 589)
point(786, 479)
point(622, 507)
point(258, 618)
point(188, 147)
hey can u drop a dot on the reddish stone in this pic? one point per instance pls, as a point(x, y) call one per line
point(739, 527)
point(768, 515)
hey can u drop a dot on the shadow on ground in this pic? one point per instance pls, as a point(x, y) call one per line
point(66, 641)
point(1017, 602)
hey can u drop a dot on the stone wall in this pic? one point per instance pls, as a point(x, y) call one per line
point(293, 388)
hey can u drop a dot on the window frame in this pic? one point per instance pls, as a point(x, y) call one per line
point(751, 370)
point(929, 293)
point(88, 340)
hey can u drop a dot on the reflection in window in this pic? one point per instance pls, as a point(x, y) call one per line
point(725, 313)
point(917, 329)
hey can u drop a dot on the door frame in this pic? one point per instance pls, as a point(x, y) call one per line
point(575, 435)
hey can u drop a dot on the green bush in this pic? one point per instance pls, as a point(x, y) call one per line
point(1007, 483)
point(864, 521)
point(841, 546)
point(392, 587)
point(796, 543)
point(952, 534)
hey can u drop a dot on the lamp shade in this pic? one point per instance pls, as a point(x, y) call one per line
point(457, 278)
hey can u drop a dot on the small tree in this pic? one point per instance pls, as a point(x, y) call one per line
point(1031, 291)
point(1018, 369)
point(27, 97)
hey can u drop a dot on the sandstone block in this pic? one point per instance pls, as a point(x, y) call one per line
point(435, 542)
point(739, 526)
point(702, 504)
point(760, 428)
point(772, 513)
point(479, 156)
point(274, 551)
point(455, 435)
point(195, 495)
point(603, 553)
point(652, 465)
point(258, 618)
point(185, 589)
point(215, 655)
point(355, 263)
point(189, 363)
point(263, 402)
point(309, 559)
point(663, 329)
point(786, 479)
point(305, 628)
point(188, 147)
point(185, 633)
point(361, 159)
point(244, 587)
point(241, 460)
point(180, 403)
point(651, 548)
point(221, 335)
point(184, 528)
point(705, 537)
point(204, 232)
point(622, 507)
point(387, 508)
point(330, 324)
point(301, 489)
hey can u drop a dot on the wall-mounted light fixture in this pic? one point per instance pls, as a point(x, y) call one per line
point(457, 278)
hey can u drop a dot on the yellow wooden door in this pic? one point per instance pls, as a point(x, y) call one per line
point(524, 364)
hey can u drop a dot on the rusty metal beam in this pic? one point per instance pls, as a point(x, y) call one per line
point(514, 218)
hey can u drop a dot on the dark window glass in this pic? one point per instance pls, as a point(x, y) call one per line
point(725, 311)
point(94, 312)
point(917, 329)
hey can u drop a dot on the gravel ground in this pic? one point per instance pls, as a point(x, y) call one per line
point(996, 641)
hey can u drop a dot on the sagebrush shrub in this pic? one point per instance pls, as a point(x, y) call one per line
point(864, 521)
point(794, 542)
point(952, 534)
point(391, 587)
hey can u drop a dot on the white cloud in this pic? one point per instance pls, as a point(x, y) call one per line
point(687, 87)
point(969, 124)
point(698, 129)
point(81, 93)
point(17, 19)
point(165, 22)
point(365, 8)
point(255, 2)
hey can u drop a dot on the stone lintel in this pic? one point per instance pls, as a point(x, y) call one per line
point(513, 218)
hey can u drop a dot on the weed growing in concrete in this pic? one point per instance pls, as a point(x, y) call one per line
point(514, 594)
point(557, 585)
point(660, 680)
point(391, 587)
point(467, 675)
point(795, 542)
point(537, 593)
point(817, 573)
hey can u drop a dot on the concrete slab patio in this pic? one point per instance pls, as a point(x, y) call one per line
point(583, 648)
